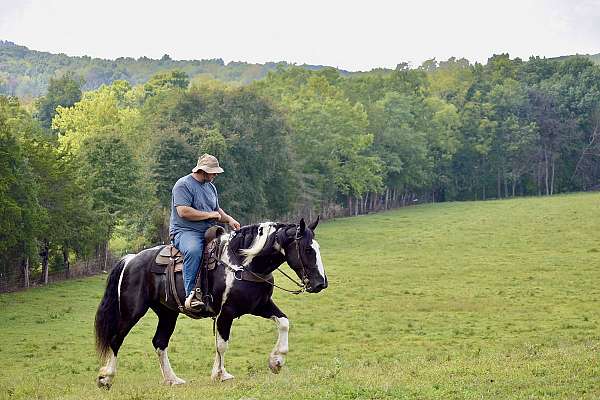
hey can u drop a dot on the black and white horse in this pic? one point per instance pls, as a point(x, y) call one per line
point(258, 250)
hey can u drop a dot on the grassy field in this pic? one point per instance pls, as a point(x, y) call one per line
point(485, 300)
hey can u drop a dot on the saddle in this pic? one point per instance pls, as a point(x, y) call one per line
point(212, 252)
point(170, 260)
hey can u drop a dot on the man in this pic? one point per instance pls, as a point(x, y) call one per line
point(194, 209)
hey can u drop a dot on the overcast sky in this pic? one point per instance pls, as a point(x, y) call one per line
point(352, 35)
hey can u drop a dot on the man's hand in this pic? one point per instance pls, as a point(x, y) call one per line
point(233, 224)
point(215, 215)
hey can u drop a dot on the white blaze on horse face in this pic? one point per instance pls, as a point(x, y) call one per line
point(127, 258)
point(317, 250)
point(265, 229)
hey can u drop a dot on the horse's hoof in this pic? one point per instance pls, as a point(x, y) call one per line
point(221, 376)
point(104, 382)
point(226, 376)
point(174, 382)
point(275, 363)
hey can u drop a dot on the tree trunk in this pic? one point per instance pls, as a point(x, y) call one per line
point(387, 198)
point(65, 252)
point(105, 255)
point(26, 272)
point(350, 205)
point(374, 200)
point(552, 178)
point(538, 179)
point(546, 171)
point(45, 254)
point(499, 185)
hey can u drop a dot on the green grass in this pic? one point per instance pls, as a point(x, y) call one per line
point(485, 300)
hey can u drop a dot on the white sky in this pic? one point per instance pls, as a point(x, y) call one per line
point(352, 35)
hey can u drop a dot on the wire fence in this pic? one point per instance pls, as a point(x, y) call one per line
point(18, 281)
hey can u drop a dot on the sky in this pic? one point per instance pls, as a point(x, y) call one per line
point(351, 35)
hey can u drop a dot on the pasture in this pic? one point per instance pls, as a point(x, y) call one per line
point(474, 300)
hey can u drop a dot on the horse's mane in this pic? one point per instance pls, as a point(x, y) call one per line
point(250, 240)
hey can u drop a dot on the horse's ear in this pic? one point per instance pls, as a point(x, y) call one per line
point(314, 224)
point(302, 227)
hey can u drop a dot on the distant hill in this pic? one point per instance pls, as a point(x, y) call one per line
point(26, 73)
point(595, 58)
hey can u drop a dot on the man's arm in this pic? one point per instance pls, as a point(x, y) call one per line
point(228, 219)
point(192, 214)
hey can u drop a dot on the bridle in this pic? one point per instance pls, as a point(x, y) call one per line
point(304, 275)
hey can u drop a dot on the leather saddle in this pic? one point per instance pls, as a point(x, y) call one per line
point(212, 251)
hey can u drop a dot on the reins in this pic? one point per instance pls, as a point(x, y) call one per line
point(298, 291)
point(261, 278)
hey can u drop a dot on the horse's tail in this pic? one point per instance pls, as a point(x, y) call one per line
point(108, 314)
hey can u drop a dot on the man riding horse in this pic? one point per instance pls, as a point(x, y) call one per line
point(194, 209)
point(240, 283)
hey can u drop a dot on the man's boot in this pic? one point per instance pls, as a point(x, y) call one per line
point(193, 303)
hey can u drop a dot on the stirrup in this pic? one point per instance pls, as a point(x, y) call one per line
point(192, 303)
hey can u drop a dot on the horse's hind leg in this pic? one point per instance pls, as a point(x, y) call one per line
point(277, 356)
point(166, 325)
point(130, 315)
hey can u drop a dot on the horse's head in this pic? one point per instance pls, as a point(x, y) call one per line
point(303, 255)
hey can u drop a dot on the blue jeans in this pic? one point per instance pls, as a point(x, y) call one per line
point(191, 244)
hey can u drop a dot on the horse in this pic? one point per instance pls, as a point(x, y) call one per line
point(252, 251)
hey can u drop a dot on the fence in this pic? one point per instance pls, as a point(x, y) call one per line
point(93, 266)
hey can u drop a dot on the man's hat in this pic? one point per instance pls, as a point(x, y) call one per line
point(208, 164)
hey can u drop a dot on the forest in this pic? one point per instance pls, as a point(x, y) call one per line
point(86, 172)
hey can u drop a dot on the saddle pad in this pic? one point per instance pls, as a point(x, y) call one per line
point(164, 257)
point(210, 257)
point(162, 269)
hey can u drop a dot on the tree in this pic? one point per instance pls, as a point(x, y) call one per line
point(21, 217)
point(166, 81)
point(64, 91)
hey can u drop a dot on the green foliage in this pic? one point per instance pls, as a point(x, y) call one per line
point(42, 202)
point(27, 73)
point(64, 91)
point(299, 142)
point(166, 81)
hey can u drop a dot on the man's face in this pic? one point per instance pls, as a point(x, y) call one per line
point(210, 177)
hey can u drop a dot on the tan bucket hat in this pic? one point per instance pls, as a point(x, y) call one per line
point(208, 164)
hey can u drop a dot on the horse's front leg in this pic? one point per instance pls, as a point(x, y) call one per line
point(224, 321)
point(277, 356)
point(166, 325)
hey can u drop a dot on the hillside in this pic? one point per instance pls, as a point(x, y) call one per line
point(595, 58)
point(26, 73)
point(465, 300)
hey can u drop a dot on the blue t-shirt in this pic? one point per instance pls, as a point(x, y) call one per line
point(192, 193)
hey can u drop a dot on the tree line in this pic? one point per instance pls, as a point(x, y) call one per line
point(26, 73)
point(87, 168)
